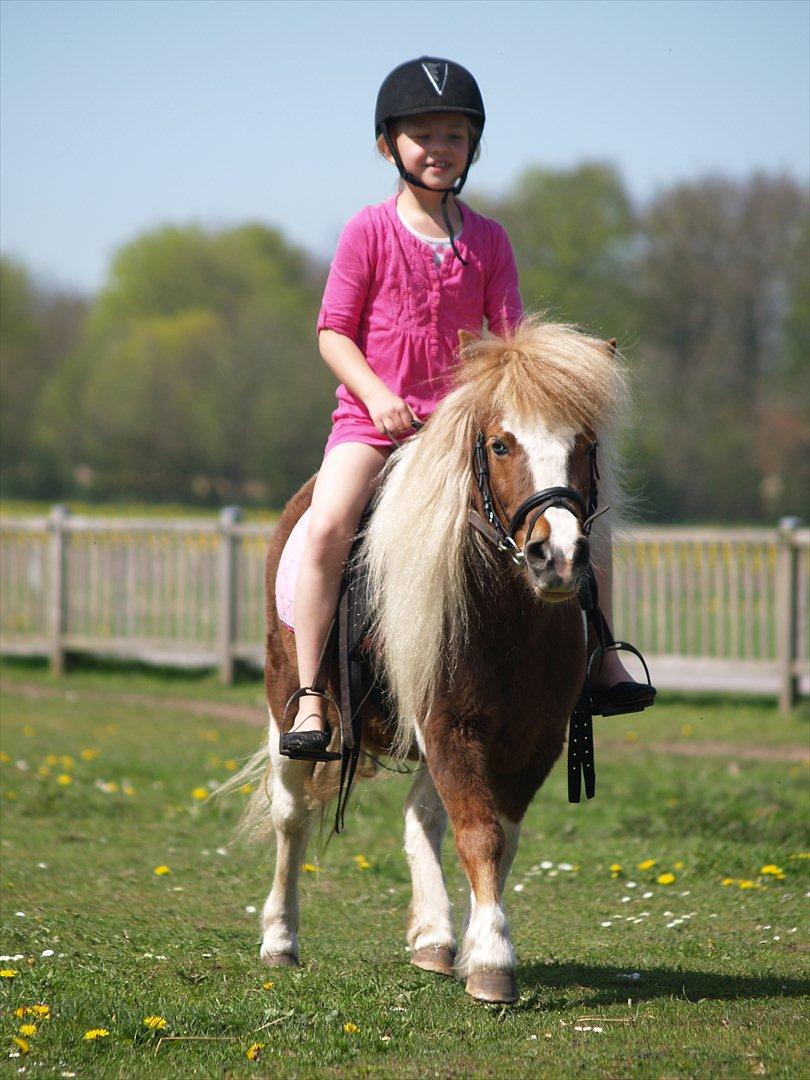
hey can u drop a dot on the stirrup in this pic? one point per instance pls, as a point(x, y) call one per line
point(600, 704)
point(298, 753)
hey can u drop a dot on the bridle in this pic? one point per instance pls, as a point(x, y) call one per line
point(566, 498)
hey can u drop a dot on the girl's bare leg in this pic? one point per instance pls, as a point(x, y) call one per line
point(345, 484)
point(613, 671)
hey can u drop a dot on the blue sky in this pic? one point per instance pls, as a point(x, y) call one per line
point(119, 115)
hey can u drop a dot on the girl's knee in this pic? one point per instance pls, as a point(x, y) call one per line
point(328, 537)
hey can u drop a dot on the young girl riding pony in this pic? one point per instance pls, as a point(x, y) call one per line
point(407, 276)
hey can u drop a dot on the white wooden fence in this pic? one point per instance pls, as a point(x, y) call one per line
point(713, 609)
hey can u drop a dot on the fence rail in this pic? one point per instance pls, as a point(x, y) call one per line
point(711, 608)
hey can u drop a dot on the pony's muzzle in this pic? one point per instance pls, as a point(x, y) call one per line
point(555, 571)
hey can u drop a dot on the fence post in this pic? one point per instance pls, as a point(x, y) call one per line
point(786, 606)
point(56, 526)
point(228, 517)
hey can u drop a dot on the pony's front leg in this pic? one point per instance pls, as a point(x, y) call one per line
point(292, 820)
point(430, 931)
point(486, 849)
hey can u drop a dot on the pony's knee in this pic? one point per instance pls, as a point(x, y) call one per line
point(481, 847)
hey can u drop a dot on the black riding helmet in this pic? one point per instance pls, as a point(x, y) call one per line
point(429, 84)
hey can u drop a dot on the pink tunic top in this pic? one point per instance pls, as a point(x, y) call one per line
point(404, 312)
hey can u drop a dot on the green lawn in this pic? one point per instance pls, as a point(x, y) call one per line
point(697, 979)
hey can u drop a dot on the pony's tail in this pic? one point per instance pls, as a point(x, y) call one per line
point(255, 822)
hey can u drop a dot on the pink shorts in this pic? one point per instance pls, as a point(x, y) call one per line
point(355, 429)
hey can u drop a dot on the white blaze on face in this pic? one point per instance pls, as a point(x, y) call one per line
point(548, 453)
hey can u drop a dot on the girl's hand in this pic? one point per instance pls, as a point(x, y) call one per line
point(390, 414)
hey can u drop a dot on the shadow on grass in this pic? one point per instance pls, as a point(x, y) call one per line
point(606, 986)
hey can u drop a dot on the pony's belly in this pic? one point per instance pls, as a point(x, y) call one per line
point(288, 568)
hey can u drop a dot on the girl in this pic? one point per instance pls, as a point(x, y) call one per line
point(407, 275)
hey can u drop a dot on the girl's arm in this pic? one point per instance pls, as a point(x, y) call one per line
point(346, 361)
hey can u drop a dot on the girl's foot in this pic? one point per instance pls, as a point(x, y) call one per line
point(614, 691)
point(310, 734)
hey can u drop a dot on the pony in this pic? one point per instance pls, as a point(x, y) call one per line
point(480, 640)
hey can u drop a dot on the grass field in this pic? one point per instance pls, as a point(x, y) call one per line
point(620, 975)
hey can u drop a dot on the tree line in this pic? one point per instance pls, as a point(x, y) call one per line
point(194, 373)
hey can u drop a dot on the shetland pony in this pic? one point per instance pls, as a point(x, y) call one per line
point(482, 647)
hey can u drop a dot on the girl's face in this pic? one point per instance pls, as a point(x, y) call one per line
point(434, 147)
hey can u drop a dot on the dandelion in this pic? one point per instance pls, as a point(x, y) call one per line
point(231, 765)
point(665, 879)
point(8, 973)
point(687, 730)
point(161, 870)
point(95, 1033)
point(199, 793)
point(350, 1028)
point(28, 730)
point(51, 759)
point(66, 761)
point(4, 757)
point(43, 770)
point(211, 736)
point(648, 864)
point(677, 866)
point(771, 868)
point(309, 868)
point(362, 862)
point(23, 1044)
point(28, 1029)
point(630, 736)
point(154, 1023)
point(89, 754)
point(63, 779)
point(728, 881)
point(744, 883)
point(268, 985)
point(254, 1051)
point(615, 869)
point(42, 1011)
point(128, 789)
point(246, 789)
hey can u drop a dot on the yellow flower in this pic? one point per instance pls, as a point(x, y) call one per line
point(42, 1011)
point(111, 729)
point(677, 866)
point(615, 869)
point(51, 759)
point(231, 765)
point(28, 730)
point(665, 879)
point(647, 864)
point(745, 884)
point(308, 868)
point(161, 870)
point(43, 770)
point(254, 1051)
point(96, 1033)
point(64, 779)
point(687, 730)
point(128, 790)
point(268, 985)
point(771, 868)
point(350, 1028)
point(246, 789)
point(9, 973)
point(11, 794)
point(728, 881)
point(90, 754)
point(28, 1029)
point(4, 757)
point(22, 1043)
point(362, 862)
point(211, 736)
point(673, 802)
point(199, 793)
point(22, 1011)
point(154, 1023)
point(66, 761)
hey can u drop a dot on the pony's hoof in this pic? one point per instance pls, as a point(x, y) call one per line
point(280, 959)
point(434, 958)
point(498, 986)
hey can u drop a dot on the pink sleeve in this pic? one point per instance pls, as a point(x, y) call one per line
point(348, 283)
point(502, 304)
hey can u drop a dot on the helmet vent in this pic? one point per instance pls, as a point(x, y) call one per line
point(436, 71)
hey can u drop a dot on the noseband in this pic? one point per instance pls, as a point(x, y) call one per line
point(566, 498)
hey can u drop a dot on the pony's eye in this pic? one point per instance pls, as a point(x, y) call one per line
point(499, 448)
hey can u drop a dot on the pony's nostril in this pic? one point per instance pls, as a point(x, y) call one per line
point(537, 553)
point(582, 553)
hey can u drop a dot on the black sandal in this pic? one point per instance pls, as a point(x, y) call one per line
point(623, 697)
point(308, 745)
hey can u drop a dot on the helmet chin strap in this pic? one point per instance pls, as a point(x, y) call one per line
point(411, 179)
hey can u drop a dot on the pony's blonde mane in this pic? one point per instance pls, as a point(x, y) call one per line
point(419, 544)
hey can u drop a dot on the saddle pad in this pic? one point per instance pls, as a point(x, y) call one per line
point(288, 567)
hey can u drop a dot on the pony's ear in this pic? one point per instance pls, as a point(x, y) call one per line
point(611, 346)
point(465, 338)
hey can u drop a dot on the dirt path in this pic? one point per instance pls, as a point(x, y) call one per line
point(255, 716)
